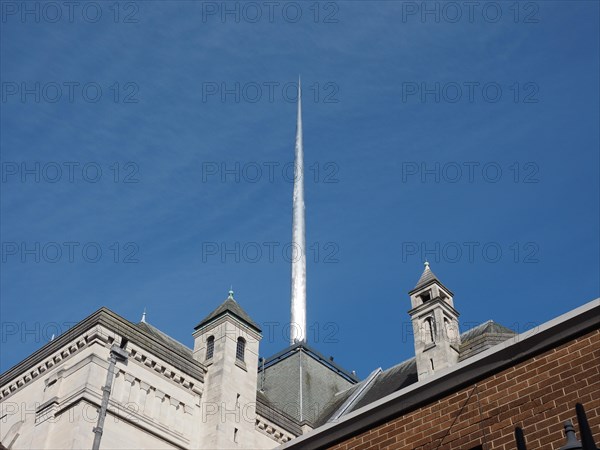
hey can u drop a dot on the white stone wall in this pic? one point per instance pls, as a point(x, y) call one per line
point(152, 404)
point(229, 403)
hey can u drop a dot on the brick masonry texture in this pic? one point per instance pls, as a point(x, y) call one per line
point(538, 394)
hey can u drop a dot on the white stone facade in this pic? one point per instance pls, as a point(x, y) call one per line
point(51, 399)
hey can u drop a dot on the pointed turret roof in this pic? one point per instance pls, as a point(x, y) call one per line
point(232, 307)
point(427, 278)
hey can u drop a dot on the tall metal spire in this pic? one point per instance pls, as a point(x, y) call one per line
point(298, 317)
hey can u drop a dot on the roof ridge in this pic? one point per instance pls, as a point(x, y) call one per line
point(482, 327)
point(361, 389)
point(162, 333)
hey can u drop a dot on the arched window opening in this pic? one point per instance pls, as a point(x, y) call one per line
point(241, 349)
point(449, 329)
point(428, 330)
point(210, 347)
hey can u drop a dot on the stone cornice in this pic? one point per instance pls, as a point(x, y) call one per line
point(430, 283)
point(438, 301)
point(282, 420)
point(119, 327)
point(13, 380)
point(268, 428)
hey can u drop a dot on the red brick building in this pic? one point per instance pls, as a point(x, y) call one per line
point(532, 381)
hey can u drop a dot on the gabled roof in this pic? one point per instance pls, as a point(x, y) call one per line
point(165, 339)
point(489, 327)
point(386, 382)
point(229, 306)
point(145, 336)
point(482, 337)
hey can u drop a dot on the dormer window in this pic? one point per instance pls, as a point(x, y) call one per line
point(210, 347)
point(241, 349)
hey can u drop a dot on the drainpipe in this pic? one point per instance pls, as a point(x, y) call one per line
point(117, 353)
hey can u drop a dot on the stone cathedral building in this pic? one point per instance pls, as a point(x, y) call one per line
point(218, 394)
point(108, 383)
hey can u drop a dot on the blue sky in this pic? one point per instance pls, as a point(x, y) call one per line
point(423, 139)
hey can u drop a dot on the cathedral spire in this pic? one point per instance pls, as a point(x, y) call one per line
point(298, 307)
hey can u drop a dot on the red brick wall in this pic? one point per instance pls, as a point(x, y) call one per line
point(538, 394)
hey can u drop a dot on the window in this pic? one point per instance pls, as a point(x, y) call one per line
point(432, 366)
point(210, 347)
point(426, 296)
point(241, 349)
point(450, 330)
point(428, 330)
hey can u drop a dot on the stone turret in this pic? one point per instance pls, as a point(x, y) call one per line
point(435, 325)
point(227, 342)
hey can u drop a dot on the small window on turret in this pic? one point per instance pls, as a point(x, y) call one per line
point(425, 296)
point(428, 330)
point(210, 347)
point(241, 349)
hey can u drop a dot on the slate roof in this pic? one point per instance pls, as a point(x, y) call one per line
point(328, 391)
point(427, 278)
point(335, 404)
point(303, 382)
point(232, 307)
point(387, 382)
point(482, 337)
point(165, 339)
point(489, 327)
point(272, 413)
